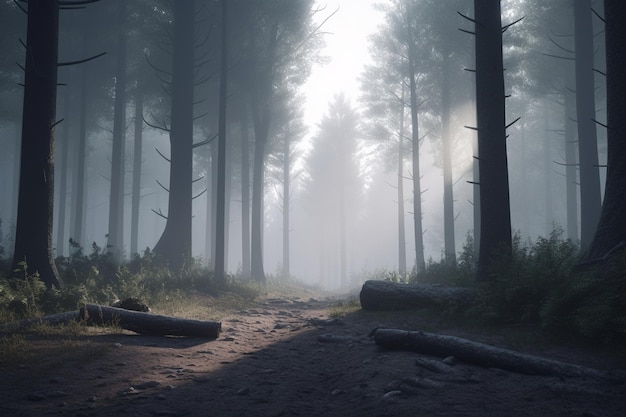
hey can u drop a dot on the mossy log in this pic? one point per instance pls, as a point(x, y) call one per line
point(482, 354)
point(149, 324)
point(386, 295)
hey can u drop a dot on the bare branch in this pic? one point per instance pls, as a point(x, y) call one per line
point(512, 123)
point(598, 15)
point(162, 186)
point(162, 156)
point(506, 27)
point(65, 64)
point(204, 142)
point(198, 195)
point(158, 213)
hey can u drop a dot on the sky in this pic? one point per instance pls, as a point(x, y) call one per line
point(347, 49)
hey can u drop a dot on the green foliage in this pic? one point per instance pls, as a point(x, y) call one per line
point(520, 283)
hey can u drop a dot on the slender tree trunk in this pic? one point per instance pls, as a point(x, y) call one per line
point(524, 178)
point(220, 254)
point(137, 156)
point(495, 234)
point(211, 203)
point(590, 194)
point(420, 263)
point(116, 199)
point(343, 244)
point(33, 238)
point(245, 200)
point(63, 174)
point(401, 225)
point(257, 271)
point(261, 113)
point(571, 182)
point(448, 192)
point(611, 231)
point(78, 183)
point(175, 242)
point(286, 203)
point(547, 168)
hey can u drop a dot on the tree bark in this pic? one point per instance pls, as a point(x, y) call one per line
point(33, 238)
point(245, 199)
point(137, 156)
point(590, 195)
point(116, 198)
point(418, 232)
point(63, 174)
point(175, 242)
point(495, 234)
point(446, 139)
point(220, 227)
point(149, 324)
point(286, 203)
point(386, 295)
point(571, 181)
point(611, 232)
point(400, 182)
point(481, 354)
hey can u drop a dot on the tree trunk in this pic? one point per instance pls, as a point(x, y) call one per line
point(590, 195)
point(63, 174)
point(547, 168)
point(420, 263)
point(495, 234)
point(220, 227)
point(401, 225)
point(286, 200)
point(245, 200)
point(571, 181)
point(78, 183)
point(149, 324)
point(481, 354)
point(137, 156)
point(116, 199)
point(386, 295)
point(448, 192)
point(33, 238)
point(611, 231)
point(175, 242)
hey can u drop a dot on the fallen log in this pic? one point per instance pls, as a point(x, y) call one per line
point(482, 354)
point(386, 295)
point(149, 324)
point(52, 319)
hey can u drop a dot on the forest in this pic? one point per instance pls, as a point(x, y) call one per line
point(150, 144)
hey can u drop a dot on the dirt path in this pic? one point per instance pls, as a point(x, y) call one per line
point(286, 358)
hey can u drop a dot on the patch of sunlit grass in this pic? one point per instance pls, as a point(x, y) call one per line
point(345, 307)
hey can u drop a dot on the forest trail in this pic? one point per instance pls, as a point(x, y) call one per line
point(289, 357)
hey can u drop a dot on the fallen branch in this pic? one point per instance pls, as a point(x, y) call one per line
point(482, 354)
point(386, 295)
point(150, 324)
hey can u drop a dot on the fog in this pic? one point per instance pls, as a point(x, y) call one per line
point(536, 144)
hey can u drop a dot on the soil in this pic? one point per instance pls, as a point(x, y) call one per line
point(290, 357)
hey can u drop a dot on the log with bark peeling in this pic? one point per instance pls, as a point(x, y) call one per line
point(386, 295)
point(150, 324)
point(482, 354)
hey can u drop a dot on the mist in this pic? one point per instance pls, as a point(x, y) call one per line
point(535, 82)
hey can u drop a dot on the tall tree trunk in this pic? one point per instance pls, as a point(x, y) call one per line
point(137, 156)
point(220, 227)
point(245, 200)
point(448, 192)
point(211, 202)
point(401, 225)
point(286, 203)
point(611, 231)
point(420, 263)
point(571, 182)
point(590, 194)
point(116, 199)
point(547, 168)
point(256, 235)
point(78, 182)
point(495, 234)
point(33, 238)
point(175, 242)
point(63, 174)
point(261, 114)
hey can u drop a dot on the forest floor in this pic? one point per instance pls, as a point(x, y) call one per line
point(291, 356)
